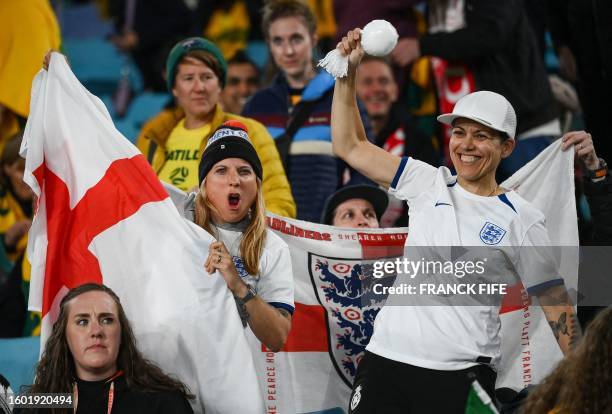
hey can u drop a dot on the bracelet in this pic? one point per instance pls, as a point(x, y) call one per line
point(600, 172)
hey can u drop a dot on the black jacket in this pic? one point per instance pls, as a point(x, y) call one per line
point(599, 197)
point(499, 46)
point(586, 27)
point(593, 283)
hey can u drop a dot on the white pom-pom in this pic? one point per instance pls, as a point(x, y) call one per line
point(378, 38)
point(335, 64)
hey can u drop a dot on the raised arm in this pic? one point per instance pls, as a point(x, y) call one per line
point(348, 135)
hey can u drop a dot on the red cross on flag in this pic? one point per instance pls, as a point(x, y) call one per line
point(104, 217)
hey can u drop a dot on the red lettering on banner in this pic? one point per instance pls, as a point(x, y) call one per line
point(70, 231)
point(271, 381)
point(291, 230)
point(526, 350)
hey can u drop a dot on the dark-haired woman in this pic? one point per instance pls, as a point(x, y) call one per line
point(432, 343)
point(92, 354)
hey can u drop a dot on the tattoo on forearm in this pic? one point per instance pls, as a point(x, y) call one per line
point(559, 327)
point(576, 332)
point(567, 325)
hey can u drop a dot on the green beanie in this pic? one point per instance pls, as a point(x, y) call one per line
point(186, 45)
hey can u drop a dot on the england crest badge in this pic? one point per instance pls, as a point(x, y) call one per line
point(491, 234)
point(345, 292)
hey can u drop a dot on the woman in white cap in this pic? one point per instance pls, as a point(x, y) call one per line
point(424, 358)
point(254, 262)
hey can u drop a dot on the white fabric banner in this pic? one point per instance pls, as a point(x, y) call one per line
point(331, 327)
point(104, 217)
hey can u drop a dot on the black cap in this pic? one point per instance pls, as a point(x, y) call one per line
point(230, 140)
point(376, 196)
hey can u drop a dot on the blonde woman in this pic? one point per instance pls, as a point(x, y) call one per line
point(254, 262)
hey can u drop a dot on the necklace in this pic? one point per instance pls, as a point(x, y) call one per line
point(494, 190)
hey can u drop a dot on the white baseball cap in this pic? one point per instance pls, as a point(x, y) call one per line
point(487, 108)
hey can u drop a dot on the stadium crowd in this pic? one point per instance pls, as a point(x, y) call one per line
point(237, 112)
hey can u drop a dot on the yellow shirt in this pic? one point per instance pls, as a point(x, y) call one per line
point(183, 156)
point(29, 30)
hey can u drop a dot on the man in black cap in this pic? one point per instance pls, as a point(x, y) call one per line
point(355, 206)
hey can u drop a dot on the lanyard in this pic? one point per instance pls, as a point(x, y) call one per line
point(111, 393)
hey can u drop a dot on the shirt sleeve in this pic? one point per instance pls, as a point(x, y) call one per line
point(413, 177)
point(275, 285)
point(537, 264)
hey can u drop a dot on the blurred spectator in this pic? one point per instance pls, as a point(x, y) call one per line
point(230, 24)
point(12, 302)
point(173, 140)
point(355, 206)
point(392, 126)
point(15, 200)
point(582, 35)
point(9, 125)
point(323, 11)
point(147, 30)
point(357, 13)
point(582, 381)
point(479, 45)
point(16, 213)
point(29, 29)
point(296, 108)
point(242, 82)
point(537, 15)
point(595, 216)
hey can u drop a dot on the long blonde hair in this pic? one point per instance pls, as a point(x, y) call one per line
point(253, 237)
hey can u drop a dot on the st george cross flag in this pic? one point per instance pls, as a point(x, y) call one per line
point(104, 217)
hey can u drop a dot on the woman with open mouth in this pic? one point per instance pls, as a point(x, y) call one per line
point(254, 262)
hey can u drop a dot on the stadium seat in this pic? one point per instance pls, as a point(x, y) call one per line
point(99, 66)
point(107, 100)
point(128, 129)
point(257, 51)
point(82, 20)
point(145, 106)
point(18, 358)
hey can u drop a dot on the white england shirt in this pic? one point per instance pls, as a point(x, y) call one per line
point(274, 283)
point(442, 213)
